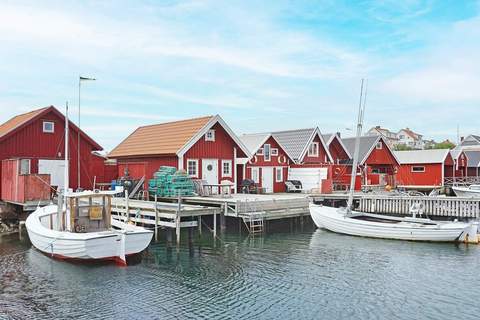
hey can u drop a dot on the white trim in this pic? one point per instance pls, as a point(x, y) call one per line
point(230, 166)
point(374, 145)
point(259, 153)
point(48, 131)
point(29, 166)
point(417, 166)
point(276, 152)
point(330, 140)
point(234, 171)
point(263, 142)
point(196, 168)
point(315, 154)
point(212, 138)
point(281, 174)
point(316, 131)
point(180, 163)
point(205, 128)
point(257, 169)
point(269, 152)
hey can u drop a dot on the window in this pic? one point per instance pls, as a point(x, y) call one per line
point(255, 175)
point(274, 152)
point(313, 149)
point(260, 152)
point(24, 166)
point(226, 168)
point(278, 174)
point(267, 156)
point(210, 135)
point(48, 126)
point(402, 136)
point(379, 146)
point(192, 168)
point(418, 169)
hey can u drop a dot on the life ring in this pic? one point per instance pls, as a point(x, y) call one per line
point(253, 160)
point(282, 159)
point(337, 170)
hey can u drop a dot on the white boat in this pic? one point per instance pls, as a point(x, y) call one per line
point(90, 234)
point(472, 191)
point(350, 222)
point(379, 226)
point(81, 227)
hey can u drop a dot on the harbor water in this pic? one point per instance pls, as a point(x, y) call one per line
point(290, 273)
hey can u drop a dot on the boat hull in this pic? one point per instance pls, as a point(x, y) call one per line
point(332, 219)
point(104, 245)
point(466, 192)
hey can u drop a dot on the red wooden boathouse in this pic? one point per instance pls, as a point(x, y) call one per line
point(424, 169)
point(205, 147)
point(33, 143)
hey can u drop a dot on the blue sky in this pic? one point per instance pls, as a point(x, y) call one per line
point(262, 66)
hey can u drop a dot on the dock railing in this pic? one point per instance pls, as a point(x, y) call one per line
point(461, 181)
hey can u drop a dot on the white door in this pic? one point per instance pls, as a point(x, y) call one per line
point(56, 170)
point(210, 170)
point(267, 179)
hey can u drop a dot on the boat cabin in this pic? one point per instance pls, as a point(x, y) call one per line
point(90, 212)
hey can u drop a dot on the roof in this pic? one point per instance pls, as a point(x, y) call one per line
point(412, 134)
point(17, 122)
point(296, 142)
point(456, 153)
point(422, 156)
point(172, 138)
point(254, 141)
point(329, 137)
point(473, 158)
point(367, 143)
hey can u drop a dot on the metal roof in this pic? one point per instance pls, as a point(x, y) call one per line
point(473, 158)
point(367, 143)
point(254, 141)
point(422, 156)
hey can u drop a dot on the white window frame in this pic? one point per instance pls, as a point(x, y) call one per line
point(260, 152)
point(45, 130)
point(229, 174)
point(196, 168)
point(29, 167)
point(277, 171)
point(210, 135)
point(255, 177)
point(379, 146)
point(317, 150)
point(269, 153)
point(417, 171)
point(274, 152)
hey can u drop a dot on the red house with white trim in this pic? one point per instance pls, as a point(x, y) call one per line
point(205, 147)
point(460, 160)
point(36, 140)
point(424, 169)
point(337, 149)
point(268, 163)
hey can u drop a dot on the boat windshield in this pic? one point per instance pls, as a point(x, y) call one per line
point(475, 187)
point(89, 213)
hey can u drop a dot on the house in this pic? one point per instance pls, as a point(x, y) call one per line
point(306, 146)
point(337, 149)
point(268, 163)
point(206, 148)
point(389, 136)
point(36, 140)
point(377, 161)
point(471, 142)
point(473, 163)
point(424, 169)
point(460, 161)
point(410, 139)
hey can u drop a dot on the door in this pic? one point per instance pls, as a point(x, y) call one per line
point(267, 179)
point(210, 171)
point(56, 170)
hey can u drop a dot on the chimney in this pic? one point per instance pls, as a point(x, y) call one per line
point(339, 134)
point(377, 127)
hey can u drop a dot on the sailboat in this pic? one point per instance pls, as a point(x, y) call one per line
point(350, 222)
point(80, 227)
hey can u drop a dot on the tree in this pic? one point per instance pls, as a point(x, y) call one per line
point(402, 147)
point(447, 144)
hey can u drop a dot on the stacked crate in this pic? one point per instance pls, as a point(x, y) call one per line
point(168, 182)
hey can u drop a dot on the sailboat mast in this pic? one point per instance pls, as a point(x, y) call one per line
point(66, 172)
point(361, 110)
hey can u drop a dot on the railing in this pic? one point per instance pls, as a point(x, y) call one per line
point(461, 181)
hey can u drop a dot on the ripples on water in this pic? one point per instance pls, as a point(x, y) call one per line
point(286, 275)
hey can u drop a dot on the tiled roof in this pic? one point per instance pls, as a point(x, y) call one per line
point(158, 139)
point(294, 142)
point(17, 121)
point(422, 156)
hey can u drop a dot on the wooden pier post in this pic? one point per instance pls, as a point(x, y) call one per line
point(215, 225)
point(156, 219)
point(223, 224)
point(177, 219)
point(200, 226)
point(127, 207)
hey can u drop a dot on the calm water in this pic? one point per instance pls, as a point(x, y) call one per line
point(286, 274)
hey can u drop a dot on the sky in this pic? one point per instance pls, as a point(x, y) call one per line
point(262, 65)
